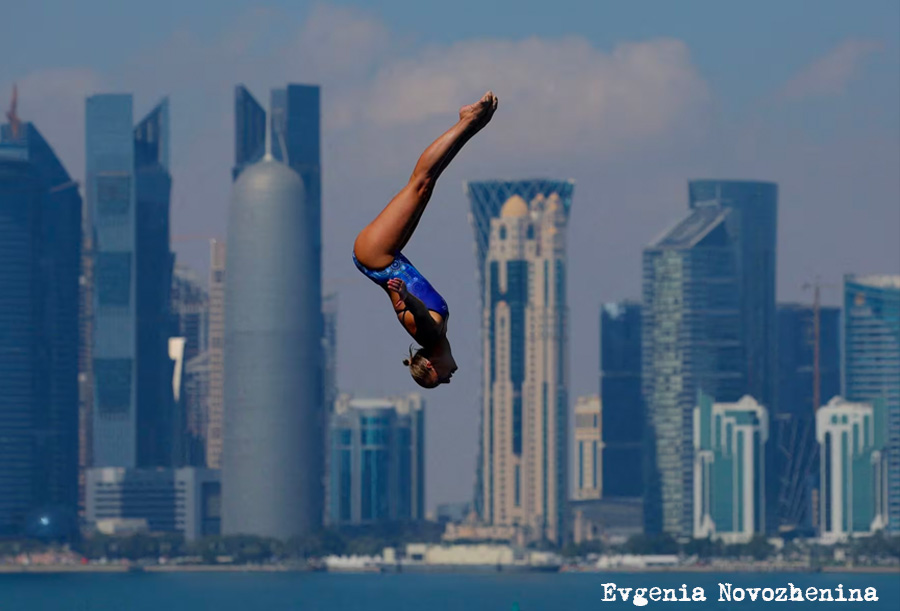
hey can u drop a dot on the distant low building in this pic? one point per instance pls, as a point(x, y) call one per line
point(609, 519)
point(183, 500)
point(853, 474)
point(468, 531)
point(729, 469)
point(453, 512)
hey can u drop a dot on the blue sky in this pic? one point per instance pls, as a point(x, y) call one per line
point(631, 99)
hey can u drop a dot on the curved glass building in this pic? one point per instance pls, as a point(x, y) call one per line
point(272, 465)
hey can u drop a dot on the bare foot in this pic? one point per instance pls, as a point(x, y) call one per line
point(479, 114)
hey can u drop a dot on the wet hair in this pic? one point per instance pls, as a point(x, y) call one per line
point(418, 368)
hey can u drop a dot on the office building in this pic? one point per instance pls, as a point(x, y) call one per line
point(729, 469)
point(216, 397)
point(524, 451)
point(190, 309)
point(40, 251)
point(377, 460)
point(588, 466)
point(708, 321)
point(274, 417)
point(128, 186)
point(854, 478)
point(185, 501)
point(872, 363)
point(793, 421)
point(620, 395)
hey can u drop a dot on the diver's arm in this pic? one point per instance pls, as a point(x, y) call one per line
point(422, 327)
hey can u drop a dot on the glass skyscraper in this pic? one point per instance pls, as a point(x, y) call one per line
point(793, 435)
point(872, 362)
point(40, 251)
point(128, 185)
point(620, 394)
point(708, 326)
point(377, 460)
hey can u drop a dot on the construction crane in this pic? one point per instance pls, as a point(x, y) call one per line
point(816, 286)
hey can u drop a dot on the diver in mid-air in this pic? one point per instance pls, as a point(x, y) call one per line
point(377, 251)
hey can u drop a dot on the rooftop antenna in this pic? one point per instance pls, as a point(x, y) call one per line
point(14, 122)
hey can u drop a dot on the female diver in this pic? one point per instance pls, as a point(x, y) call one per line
point(377, 251)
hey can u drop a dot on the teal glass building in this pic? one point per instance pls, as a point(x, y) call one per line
point(376, 460)
point(729, 468)
point(872, 362)
point(40, 252)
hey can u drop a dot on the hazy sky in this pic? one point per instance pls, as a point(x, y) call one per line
point(630, 100)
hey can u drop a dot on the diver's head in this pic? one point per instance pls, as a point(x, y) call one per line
point(427, 372)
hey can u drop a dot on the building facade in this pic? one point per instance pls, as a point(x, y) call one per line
point(620, 394)
point(872, 363)
point(377, 460)
point(274, 416)
point(588, 467)
point(40, 250)
point(708, 326)
point(854, 477)
point(729, 469)
point(793, 427)
point(128, 186)
point(524, 452)
point(216, 398)
point(186, 500)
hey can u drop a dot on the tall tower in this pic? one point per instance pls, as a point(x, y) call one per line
point(525, 401)
point(128, 186)
point(588, 465)
point(40, 251)
point(708, 326)
point(486, 198)
point(872, 363)
point(216, 402)
point(272, 462)
point(620, 394)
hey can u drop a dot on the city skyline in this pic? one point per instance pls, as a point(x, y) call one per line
point(764, 105)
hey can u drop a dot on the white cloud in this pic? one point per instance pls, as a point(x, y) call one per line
point(830, 74)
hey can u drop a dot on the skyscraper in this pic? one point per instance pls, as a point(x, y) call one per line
point(588, 449)
point(729, 467)
point(620, 394)
point(272, 460)
point(377, 463)
point(872, 362)
point(40, 250)
point(852, 438)
point(708, 326)
point(485, 199)
point(795, 453)
point(128, 185)
point(190, 309)
point(524, 451)
point(216, 401)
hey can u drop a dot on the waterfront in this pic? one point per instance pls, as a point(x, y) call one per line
point(393, 592)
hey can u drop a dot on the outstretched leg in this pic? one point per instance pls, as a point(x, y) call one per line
point(390, 231)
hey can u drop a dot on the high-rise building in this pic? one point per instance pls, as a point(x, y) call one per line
point(588, 449)
point(708, 326)
point(329, 347)
point(128, 185)
point(729, 469)
point(190, 309)
point(872, 363)
point(377, 460)
point(272, 454)
point(524, 452)
point(40, 256)
point(216, 398)
point(620, 394)
point(852, 439)
point(795, 453)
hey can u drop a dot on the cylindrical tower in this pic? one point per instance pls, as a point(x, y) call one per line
point(272, 467)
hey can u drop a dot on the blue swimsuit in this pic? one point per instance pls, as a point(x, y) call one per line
point(416, 283)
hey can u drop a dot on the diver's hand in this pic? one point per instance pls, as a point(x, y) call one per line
point(398, 286)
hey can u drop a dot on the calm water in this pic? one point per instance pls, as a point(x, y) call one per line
point(404, 592)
